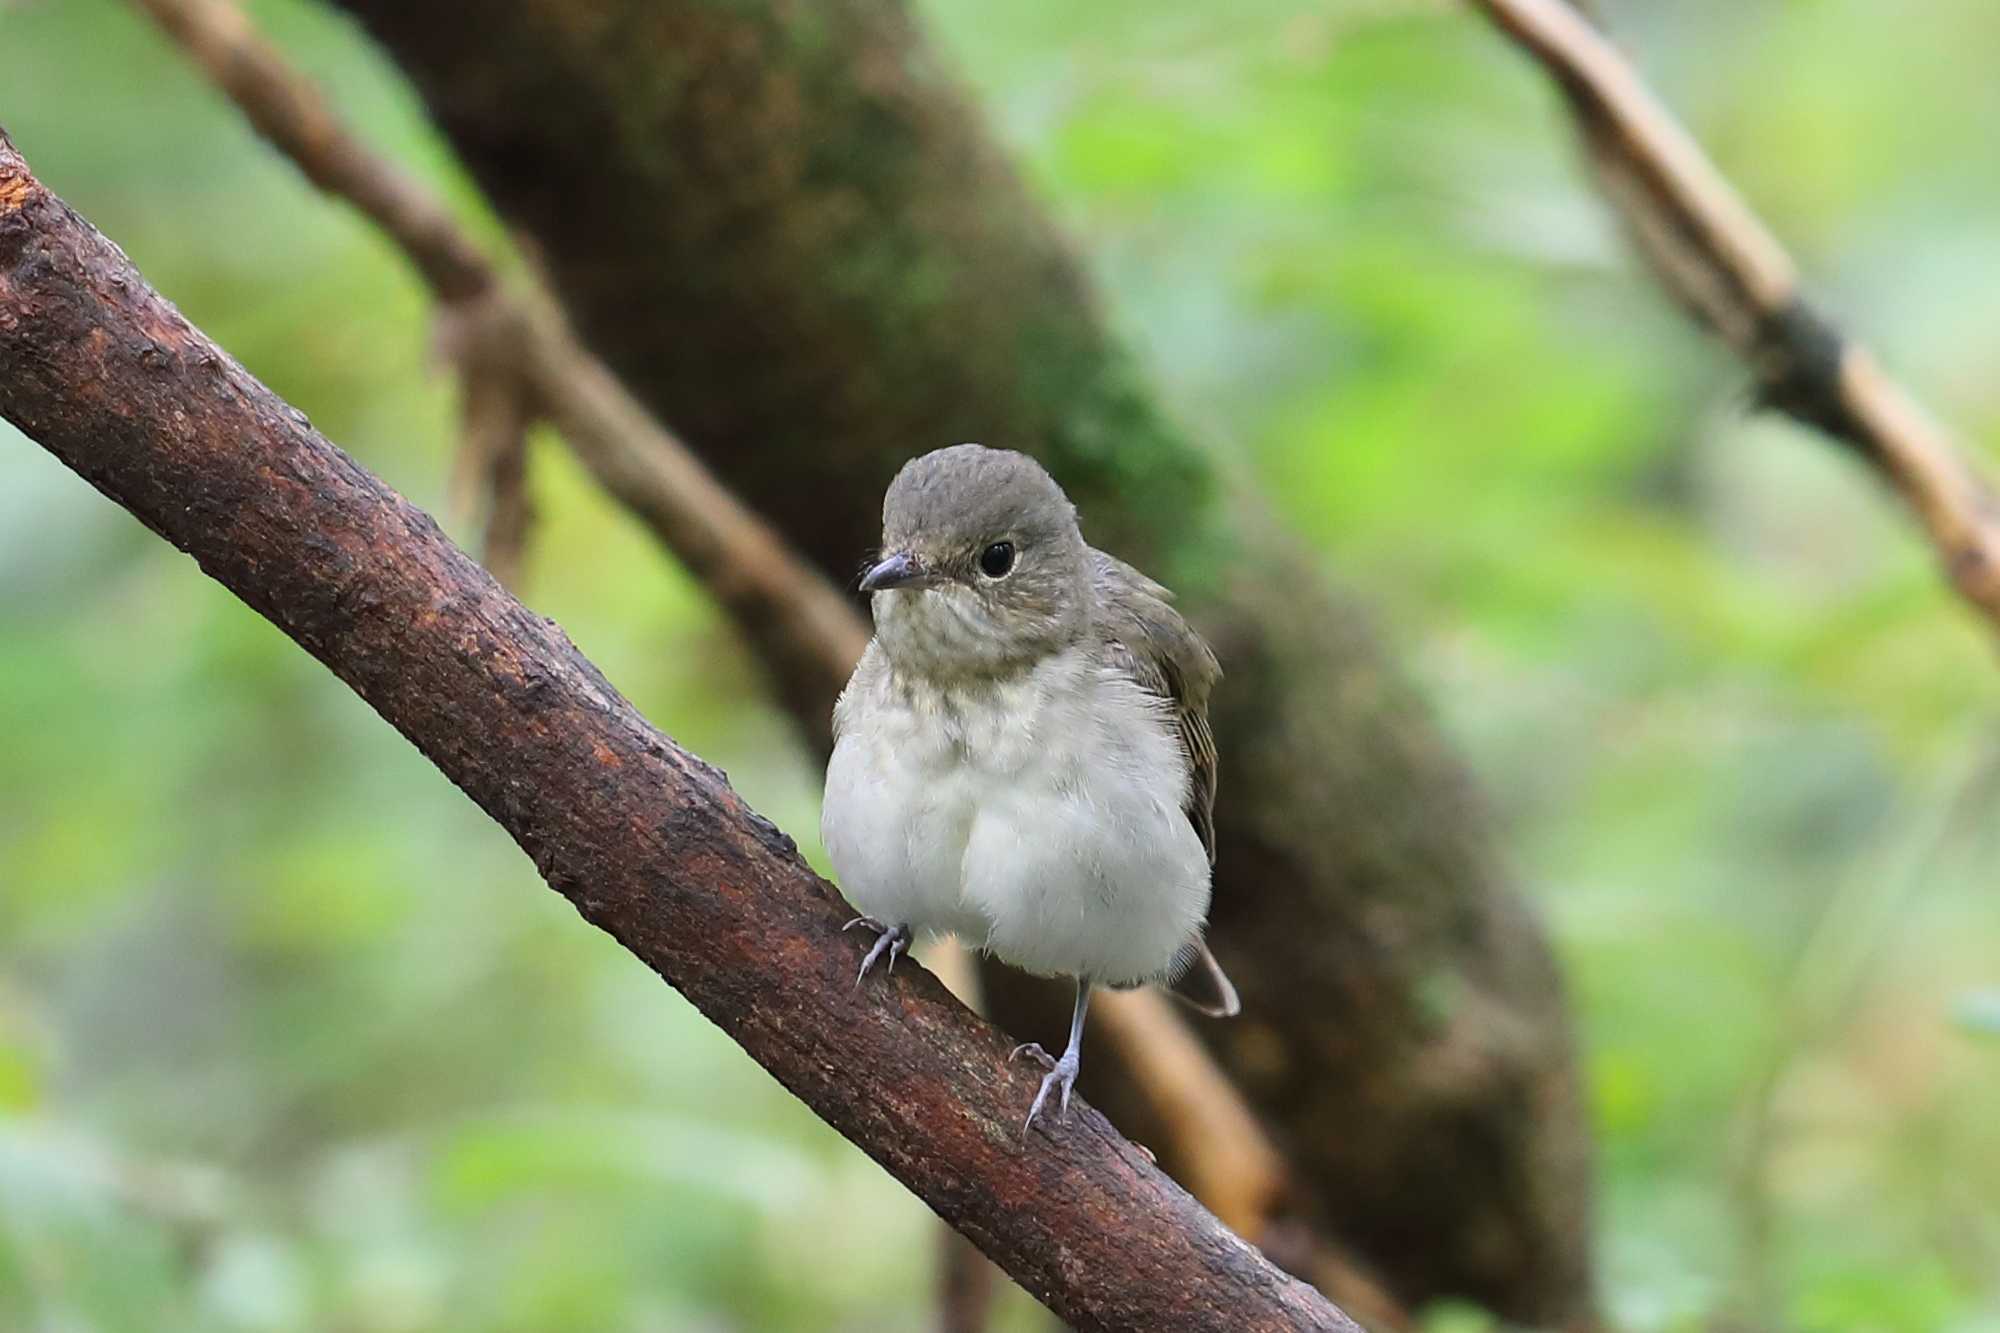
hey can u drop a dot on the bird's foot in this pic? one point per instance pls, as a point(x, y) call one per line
point(892, 940)
point(1062, 1074)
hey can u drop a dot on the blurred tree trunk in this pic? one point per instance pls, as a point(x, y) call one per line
point(786, 227)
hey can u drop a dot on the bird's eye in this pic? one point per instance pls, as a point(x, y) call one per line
point(997, 560)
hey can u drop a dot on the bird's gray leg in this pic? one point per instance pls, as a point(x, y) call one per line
point(892, 940)
point(1062, 1073)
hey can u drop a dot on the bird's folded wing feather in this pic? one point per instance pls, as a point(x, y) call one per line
point(1150, 641)
point(1148, 638)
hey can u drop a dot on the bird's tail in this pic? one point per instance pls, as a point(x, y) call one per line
point(1200, 982)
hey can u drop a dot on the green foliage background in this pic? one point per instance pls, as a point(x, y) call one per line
point(290, 1038)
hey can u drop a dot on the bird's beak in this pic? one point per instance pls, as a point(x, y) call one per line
point(898, 569)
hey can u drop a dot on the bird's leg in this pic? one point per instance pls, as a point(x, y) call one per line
point(892, 940)
point(1062, 1073)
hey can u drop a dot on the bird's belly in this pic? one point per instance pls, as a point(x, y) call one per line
point(1105, 881)
point(895, 823)
point(1045, 826)
point(1085, 864)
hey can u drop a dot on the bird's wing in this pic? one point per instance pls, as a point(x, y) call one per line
point(1150, 640)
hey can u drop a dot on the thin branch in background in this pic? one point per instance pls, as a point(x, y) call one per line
point(289, 112)
point(801, 624)
point(496, 411)
point(1726, 269)
point(510, 508)
point(1243, 1177)
point(1235, 1168)
point(967, 1285)
point(645, 840)
point(517, 352)
point(490, 468)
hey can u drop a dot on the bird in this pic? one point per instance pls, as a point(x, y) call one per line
point(1023, 756)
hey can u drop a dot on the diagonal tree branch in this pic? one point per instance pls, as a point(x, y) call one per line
point(791, 232)
point(649, 843)
point(1723, 265)
point(517, 357)
point(290, 112)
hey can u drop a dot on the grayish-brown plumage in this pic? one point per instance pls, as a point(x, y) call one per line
point(1166, 657)
point(1023, 756)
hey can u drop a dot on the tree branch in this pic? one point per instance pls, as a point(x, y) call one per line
point(789, 230)
point(800, 623)
point(290, 113)
point(496, 411)
point(511, 351)
point(649, 843)
point(1222, 1152)
point(1720, 263)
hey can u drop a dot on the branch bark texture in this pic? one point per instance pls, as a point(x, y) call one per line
point(790, 235)
point(648, 842)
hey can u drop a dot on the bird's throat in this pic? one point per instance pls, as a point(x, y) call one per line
point(946, 637)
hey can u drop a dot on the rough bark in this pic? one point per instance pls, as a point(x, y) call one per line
point(647, 841)
point(786, 229)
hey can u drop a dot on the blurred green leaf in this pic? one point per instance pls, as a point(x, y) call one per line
point(1978, 1012)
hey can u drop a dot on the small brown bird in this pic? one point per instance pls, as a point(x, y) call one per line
point(1023, 755)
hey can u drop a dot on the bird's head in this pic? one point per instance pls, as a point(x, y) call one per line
point(983, 571)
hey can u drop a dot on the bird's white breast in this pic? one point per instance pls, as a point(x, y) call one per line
point(1039, 817)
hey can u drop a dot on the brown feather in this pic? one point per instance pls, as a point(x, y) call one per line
point(1154, 644)
point(1149, 640)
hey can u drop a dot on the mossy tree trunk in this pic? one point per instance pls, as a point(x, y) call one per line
point(784, 224)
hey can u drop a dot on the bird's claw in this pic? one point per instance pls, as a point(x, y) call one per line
point(1033, 1050)
point(1062, 1074)
point(892, 940)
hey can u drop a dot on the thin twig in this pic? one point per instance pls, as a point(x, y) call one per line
point(800, 622)
point(496, 410)
point(289, 112)
point(1726, 268)
point(489, 471)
